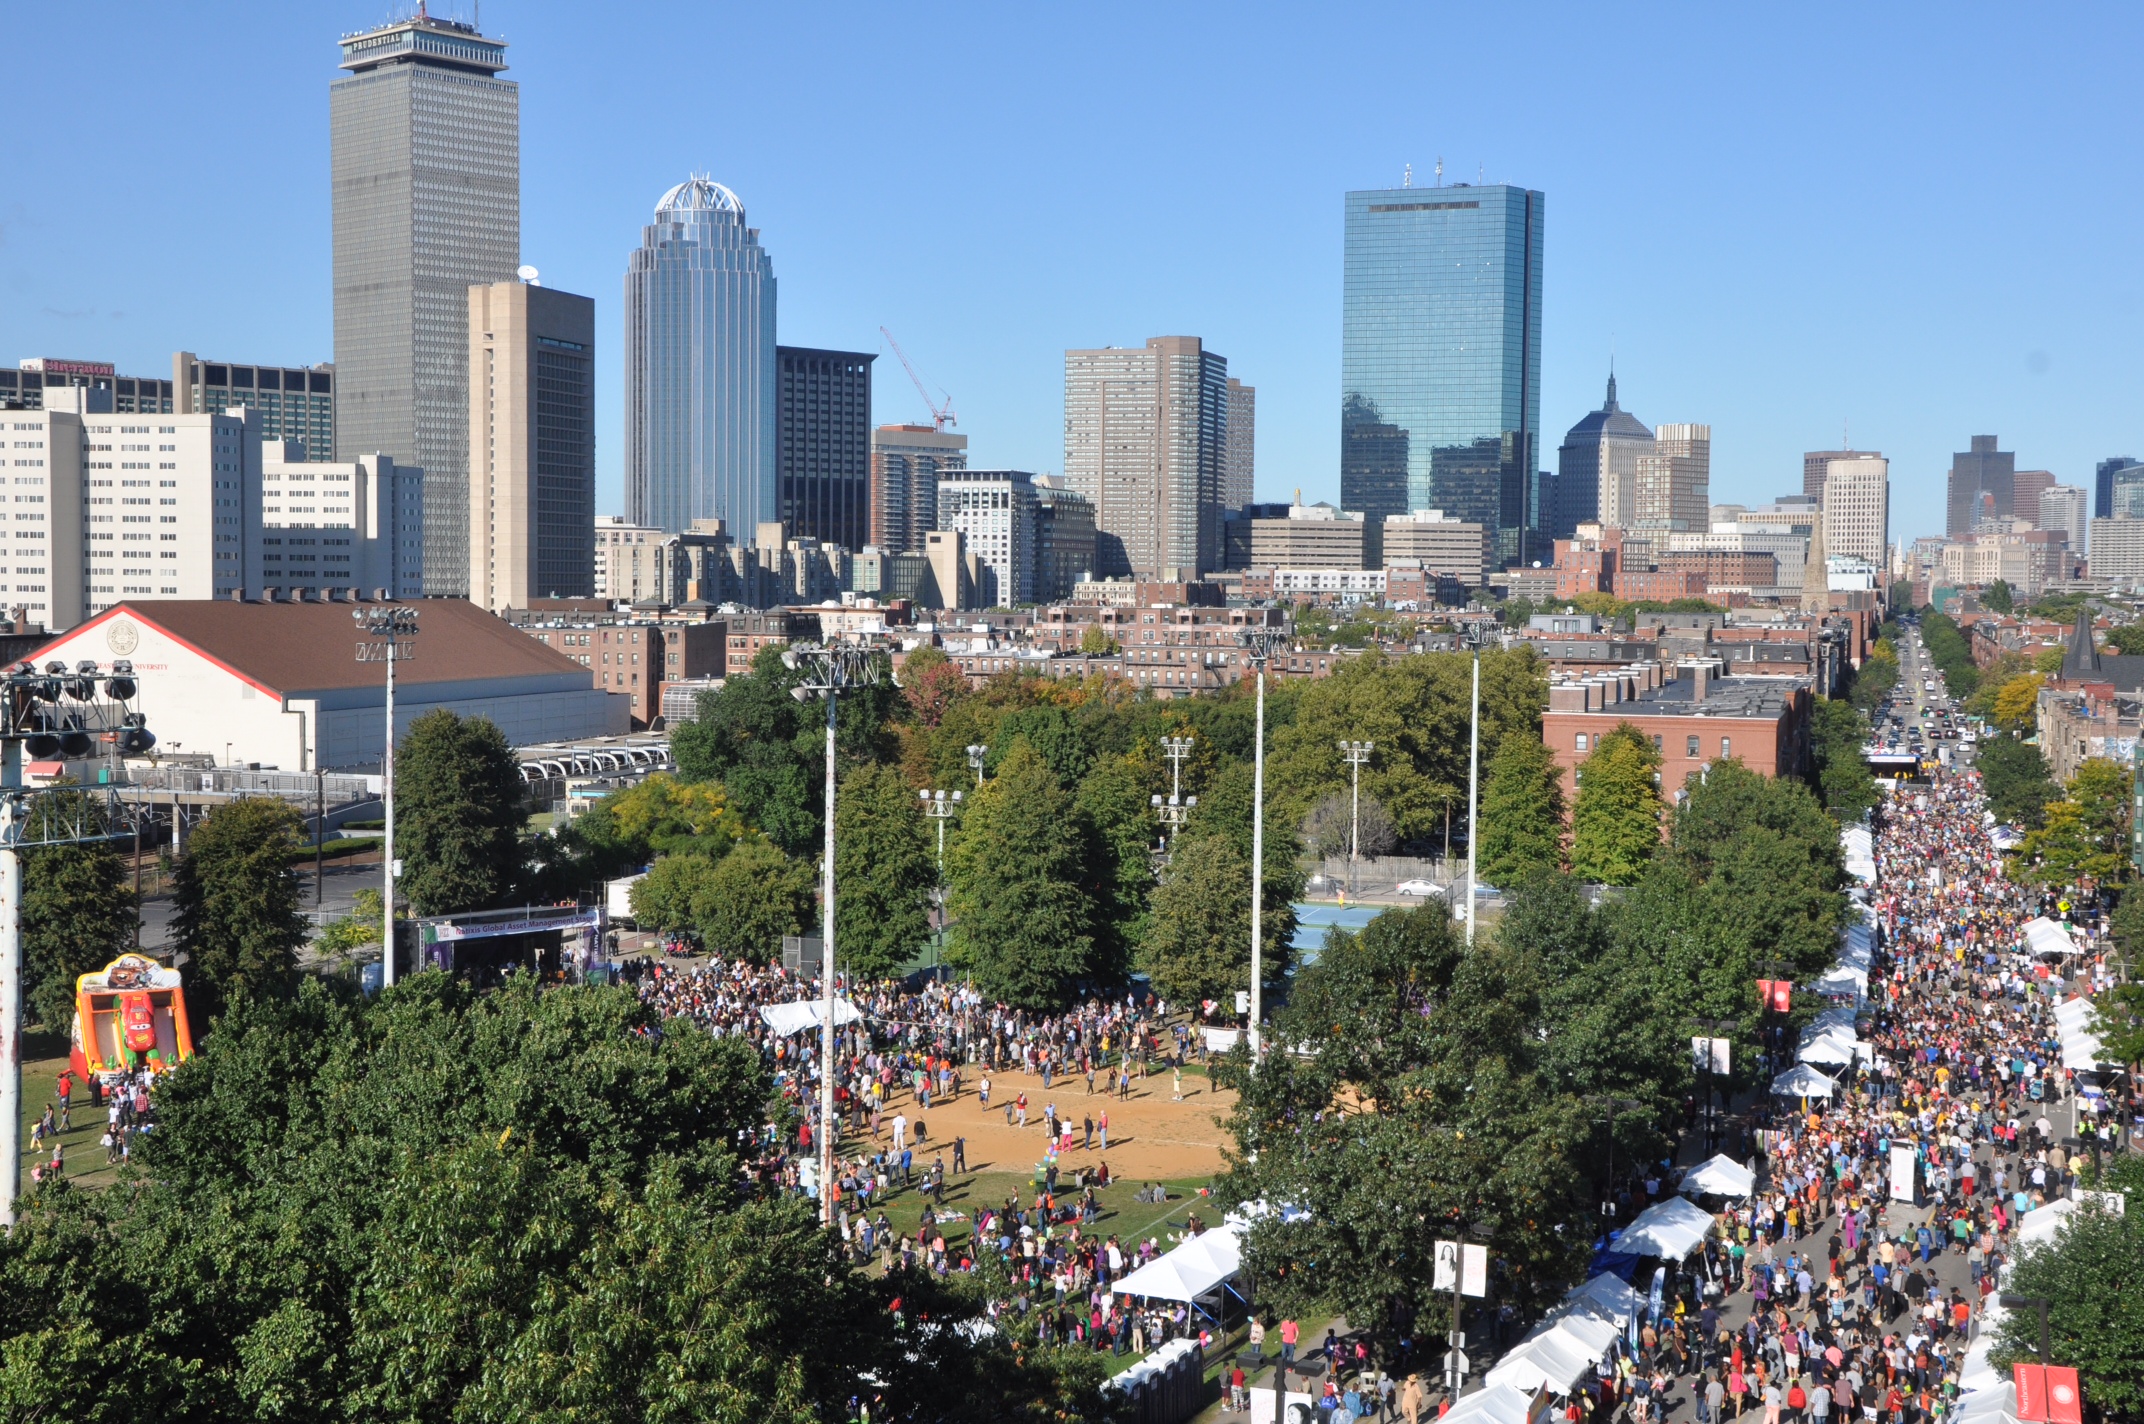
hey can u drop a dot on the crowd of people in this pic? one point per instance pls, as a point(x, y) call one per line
point(1835, 1290)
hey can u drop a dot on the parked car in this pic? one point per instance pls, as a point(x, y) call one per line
point(1420, 887)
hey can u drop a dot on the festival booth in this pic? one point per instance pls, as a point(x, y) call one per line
point(1721, 1176)
point(1498, 1404)
point(2046, 939)
point(1559, 1352)
point(1834, 1046)
point(2073, 1027)
point(1978, 1377)
point(2041, 1223)
point(1857, 848)
point(1802, 1081)
point(791, 1019)
point(1995, 1403)
point(128, 1014)
point(1668, 1230)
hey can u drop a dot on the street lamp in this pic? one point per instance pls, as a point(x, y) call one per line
point(1259, 645)
point(1174, 811)
point(941, 808)
point(1475, 638)
point(392, 631)
point(976, 752)
point(829, 670)
point(1356, 753)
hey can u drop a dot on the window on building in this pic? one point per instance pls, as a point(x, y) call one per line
point(1581, 741)
point(1691, 746)
point(1727, 746)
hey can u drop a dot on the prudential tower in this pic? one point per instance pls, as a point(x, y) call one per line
point(699, 366)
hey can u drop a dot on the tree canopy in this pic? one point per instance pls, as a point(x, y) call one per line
point(236, 905)
point(1615, 825)
point(1521, 812)
point(459, 813)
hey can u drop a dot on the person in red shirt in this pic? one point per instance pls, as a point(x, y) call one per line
point(1238, 1395)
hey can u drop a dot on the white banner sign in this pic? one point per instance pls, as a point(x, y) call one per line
point(1714, 1048)
point(1902, 1174)
point(1469, 1264)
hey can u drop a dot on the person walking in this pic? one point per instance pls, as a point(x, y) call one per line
point(1101, 1130)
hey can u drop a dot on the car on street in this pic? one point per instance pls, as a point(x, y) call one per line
point(1420, 887)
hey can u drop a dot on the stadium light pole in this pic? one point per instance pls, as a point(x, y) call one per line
point(829, 669)
point(56, 713)
point(976, 752)
point(1475, 637)
point(941, 808)
point(1177, 809)
point(1356, 754)
point(392, 631)
point(1259, 645)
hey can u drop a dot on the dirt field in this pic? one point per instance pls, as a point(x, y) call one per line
point(1151, 1137)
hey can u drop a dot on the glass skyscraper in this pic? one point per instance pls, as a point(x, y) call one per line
point(426, 164)
point(1440, 359)
point(700, 373)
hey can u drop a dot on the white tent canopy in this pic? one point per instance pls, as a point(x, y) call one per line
point(1493, 1404)
point(1832, 1046)
point(1858, 850)
point(1555, 1359)
point(1671, 1230)
point(1189, 1271)
point(2073, 1025)
point(1802, 1081)
point(1978, 1373)
point(1608, 1296)
point(787, 1019)
point(1721, 1176)
point(2048, 939)
point(2041, 1223)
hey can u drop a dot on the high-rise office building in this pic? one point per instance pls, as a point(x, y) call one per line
point(1146, 433)
point(294, 402)
point(2103, 484)
point(1979, 478)
point(1816, 467)
point(700, 403)
point(1674, 480)
point(1857, 507)
point(426, 142)
point(2063, 509)
point(1441, 342)
point(1239, 462)
point(823, 444)
point(24, 387)
point(1373, 463)
point(2128, 497)
point(2025, 487)
point(995, 511)
point(1064, 538)
point(1597, 468)
point(625, 558)
point(532, 445)
point(905, 462)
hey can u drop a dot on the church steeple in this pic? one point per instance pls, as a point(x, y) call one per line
point(1611, 407)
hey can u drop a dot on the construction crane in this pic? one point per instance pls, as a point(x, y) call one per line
point(941, 416)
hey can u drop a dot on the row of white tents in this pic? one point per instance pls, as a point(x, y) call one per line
point(1555, 1356)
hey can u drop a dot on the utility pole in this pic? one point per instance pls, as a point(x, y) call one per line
point(1259, 646)
point(830, 670)
point(976, 752)
point(395, 632)
point(1356, 754)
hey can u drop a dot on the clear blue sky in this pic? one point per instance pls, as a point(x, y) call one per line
point(1920, 222)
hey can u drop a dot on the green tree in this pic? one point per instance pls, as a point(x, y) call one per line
point(885, 868)
point(1414, 1110)
point(1876, 678)
point(2085, 835)
point(1615, 823)
point(752, 897)
point(1095, 642)
point(1416, 710)
point(2089, 1275)
point(485, 1207)
point(78, 911)
point(2017, 781)
point(1023, 917)
point(2118, 1012)
point(1198, 939)
point(1837, 734)
point(663, 815)
point(1225, 810)
point(666, 898)
point(2017, 703)
point(1112, 803)
point(236, 904)
point(2128, 639)
point(1996, 597)
point(1521, 812)
point(459, 812)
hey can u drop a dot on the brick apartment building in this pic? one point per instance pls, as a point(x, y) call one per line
point(1692, 713)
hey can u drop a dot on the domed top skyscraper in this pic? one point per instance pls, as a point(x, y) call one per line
point(1597, 467)
point(700, 366)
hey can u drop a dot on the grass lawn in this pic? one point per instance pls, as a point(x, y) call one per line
point(1129, 1221)
point(44, 1055)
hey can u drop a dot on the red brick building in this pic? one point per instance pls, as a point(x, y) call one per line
point(1692, 714)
